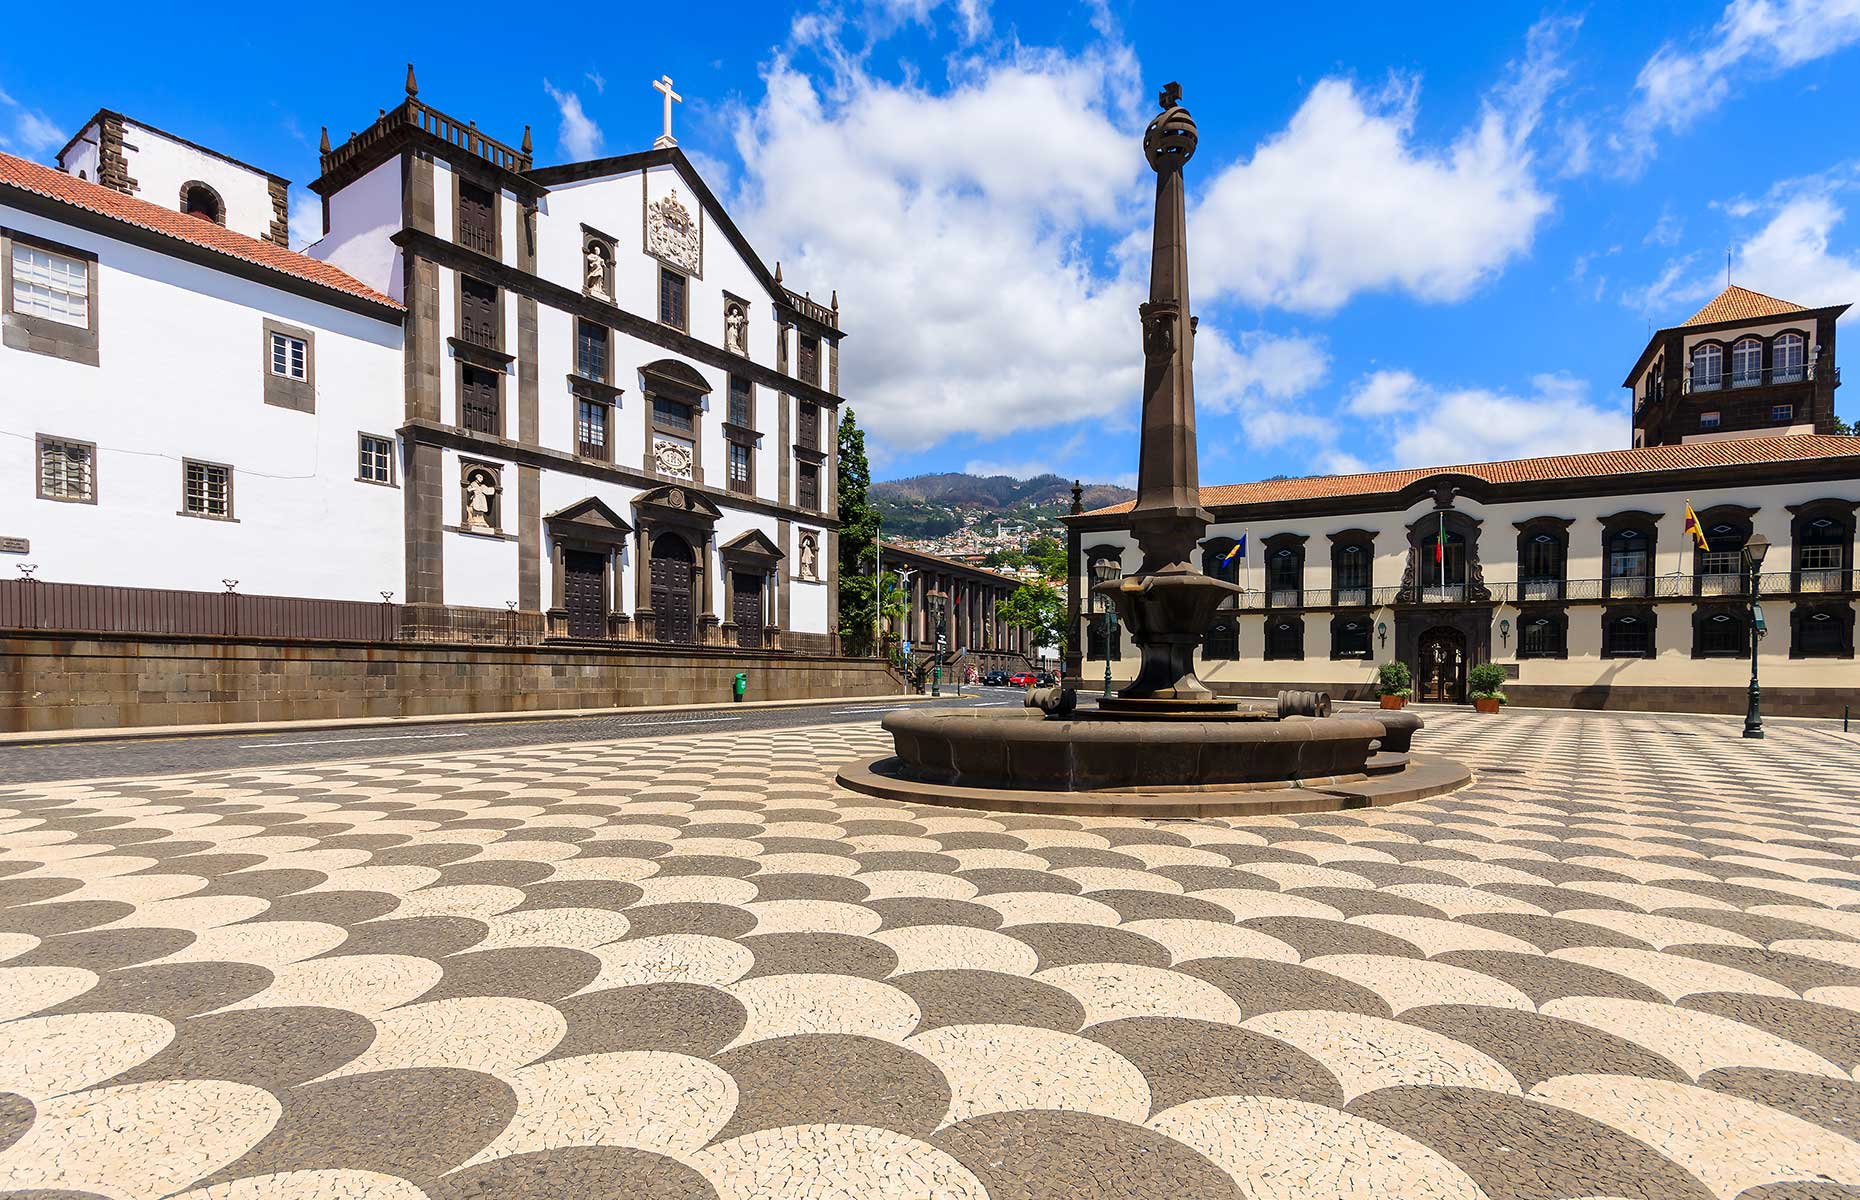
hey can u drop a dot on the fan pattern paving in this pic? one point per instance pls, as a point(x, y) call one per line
point(1624, 963)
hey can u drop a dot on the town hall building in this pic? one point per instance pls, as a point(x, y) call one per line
point(567, 402)
point(1573, 572)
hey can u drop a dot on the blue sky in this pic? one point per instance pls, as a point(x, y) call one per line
point(1415, 238)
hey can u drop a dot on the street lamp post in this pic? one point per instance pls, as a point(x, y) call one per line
point(1107, 571)
point(937, 603)
point(1754, 550)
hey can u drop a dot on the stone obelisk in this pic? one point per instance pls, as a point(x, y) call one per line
point(1168, 604)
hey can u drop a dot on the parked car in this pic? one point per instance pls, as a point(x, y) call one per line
point(1046, 679)
point(995, 679)
point(1023, 679)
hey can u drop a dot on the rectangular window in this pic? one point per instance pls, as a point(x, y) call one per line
point(477, 219)
point(741, 456)
point(671, 298)
point(1821, 557)
point(478, 401)
point(1627, 637)
point(591, 421)
point(742, 402)
point(478, 313)
point(1708, 420)
point(672, 414)
point(375, 459)
point(1821, 635)
point(67, 470)
point(1285, 639)
point(1541, 637)
point(809, 356)
point(290, 357)
point(807, 486)
point(207, 490)
point(809, 432)
point(50, 285)
point(1782, 412)
point(1350, 638)
point(591, 351)
point(1721, 635)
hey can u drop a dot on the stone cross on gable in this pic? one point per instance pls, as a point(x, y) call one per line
point(663, 84)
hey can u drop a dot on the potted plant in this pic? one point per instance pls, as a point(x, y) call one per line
point(1487, 682)
point(1393, 684)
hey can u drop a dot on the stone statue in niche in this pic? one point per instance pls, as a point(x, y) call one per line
point(735, 328)
point(672, 235)
point(480, 500)
point(810, 556)
point(597, 270)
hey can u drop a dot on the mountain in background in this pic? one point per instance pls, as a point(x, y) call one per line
point(931, 506)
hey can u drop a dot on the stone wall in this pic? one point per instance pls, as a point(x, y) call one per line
point(53, 683)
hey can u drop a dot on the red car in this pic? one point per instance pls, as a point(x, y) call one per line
point(1024, 679)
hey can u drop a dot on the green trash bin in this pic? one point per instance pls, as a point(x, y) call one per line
point(740, 685)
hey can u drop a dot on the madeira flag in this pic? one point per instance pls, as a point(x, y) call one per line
point(1694, 530)
point(1235, 551)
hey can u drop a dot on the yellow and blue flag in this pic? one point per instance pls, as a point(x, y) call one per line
point(1237, 550)
point(1694, 530)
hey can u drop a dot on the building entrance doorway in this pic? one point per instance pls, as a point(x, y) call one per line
point(746, 608)
point(1442, 675)
point(584, 593)
point(672, 573)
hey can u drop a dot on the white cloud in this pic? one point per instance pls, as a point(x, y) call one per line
point(955, 235)
point(1678, 86)
point(1045, 459)
point(598, 80)
point(580, 137)
point(1345, 200)
point(33, 132)
point(1383, 393)
point(1435, 426)
point(306, 219)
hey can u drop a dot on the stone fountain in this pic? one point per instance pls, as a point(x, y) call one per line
point(1166, 745)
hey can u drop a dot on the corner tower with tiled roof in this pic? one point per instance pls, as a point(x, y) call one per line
point(1745, 365)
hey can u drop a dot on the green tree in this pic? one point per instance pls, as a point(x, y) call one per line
point(1039, 609)
point(858, 533)
point(1048, 554)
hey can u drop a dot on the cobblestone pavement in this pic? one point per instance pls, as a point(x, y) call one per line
point(1625, 963)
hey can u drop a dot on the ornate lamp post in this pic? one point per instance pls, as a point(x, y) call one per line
point(938, 603)
point(1754, 550)
point(1102, 572)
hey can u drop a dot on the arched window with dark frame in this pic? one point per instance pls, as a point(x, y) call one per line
point(1721, 631)
point(1821, 631)
point(1543, 634)
point(200, 200)
point(1543, 558)
point(1707, 368)
point(1628, 633)
point(1285, 638)
point(1628, 548)
point(1719, 570)
point(1285, 570)
point(1352, 568)
point(1788, 358)
point(1822, 538)
point(1222, 642)
point(1349, 637)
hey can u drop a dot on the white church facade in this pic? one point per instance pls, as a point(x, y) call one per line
point(571, 400)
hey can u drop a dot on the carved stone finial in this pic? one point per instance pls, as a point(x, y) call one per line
point(1078, 496)
point(325, 144)
point(836, 299)
point(778, 270)
point(528, 146)
point(1171, 95)
point(413, 86)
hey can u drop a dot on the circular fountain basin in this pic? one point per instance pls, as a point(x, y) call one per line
point(1247, 762)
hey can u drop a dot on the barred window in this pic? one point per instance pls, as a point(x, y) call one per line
point(207, 490)
point(1285, 638)
point(67, 470)
point(1542, 637)
point(739, 467)
point(49, 285)
point(1349, 638)
point(807, 487)
point(1721, 635)
point(375, 459)
point(1628, 637)
point(290, 357)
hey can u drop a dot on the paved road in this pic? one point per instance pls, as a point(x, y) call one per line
point(197, 752)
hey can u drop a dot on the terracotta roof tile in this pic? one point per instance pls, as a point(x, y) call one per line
point(92, 197)
point(1690, 456)
point(1740, 304)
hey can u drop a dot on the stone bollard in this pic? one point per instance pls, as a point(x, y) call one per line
point(1304, 704)
point(1056, 701)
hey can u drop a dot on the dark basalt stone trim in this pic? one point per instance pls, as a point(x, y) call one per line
point(480, 356)
point(172, 247)
point(432, 433)
point(1758, 474)
point(567, 300)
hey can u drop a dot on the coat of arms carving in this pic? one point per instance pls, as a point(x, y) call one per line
point(672, 458)
point(672, 236)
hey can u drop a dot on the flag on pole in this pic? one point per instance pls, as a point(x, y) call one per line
point(1694, 530)
point(1440, 544)
point(1234, 551)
